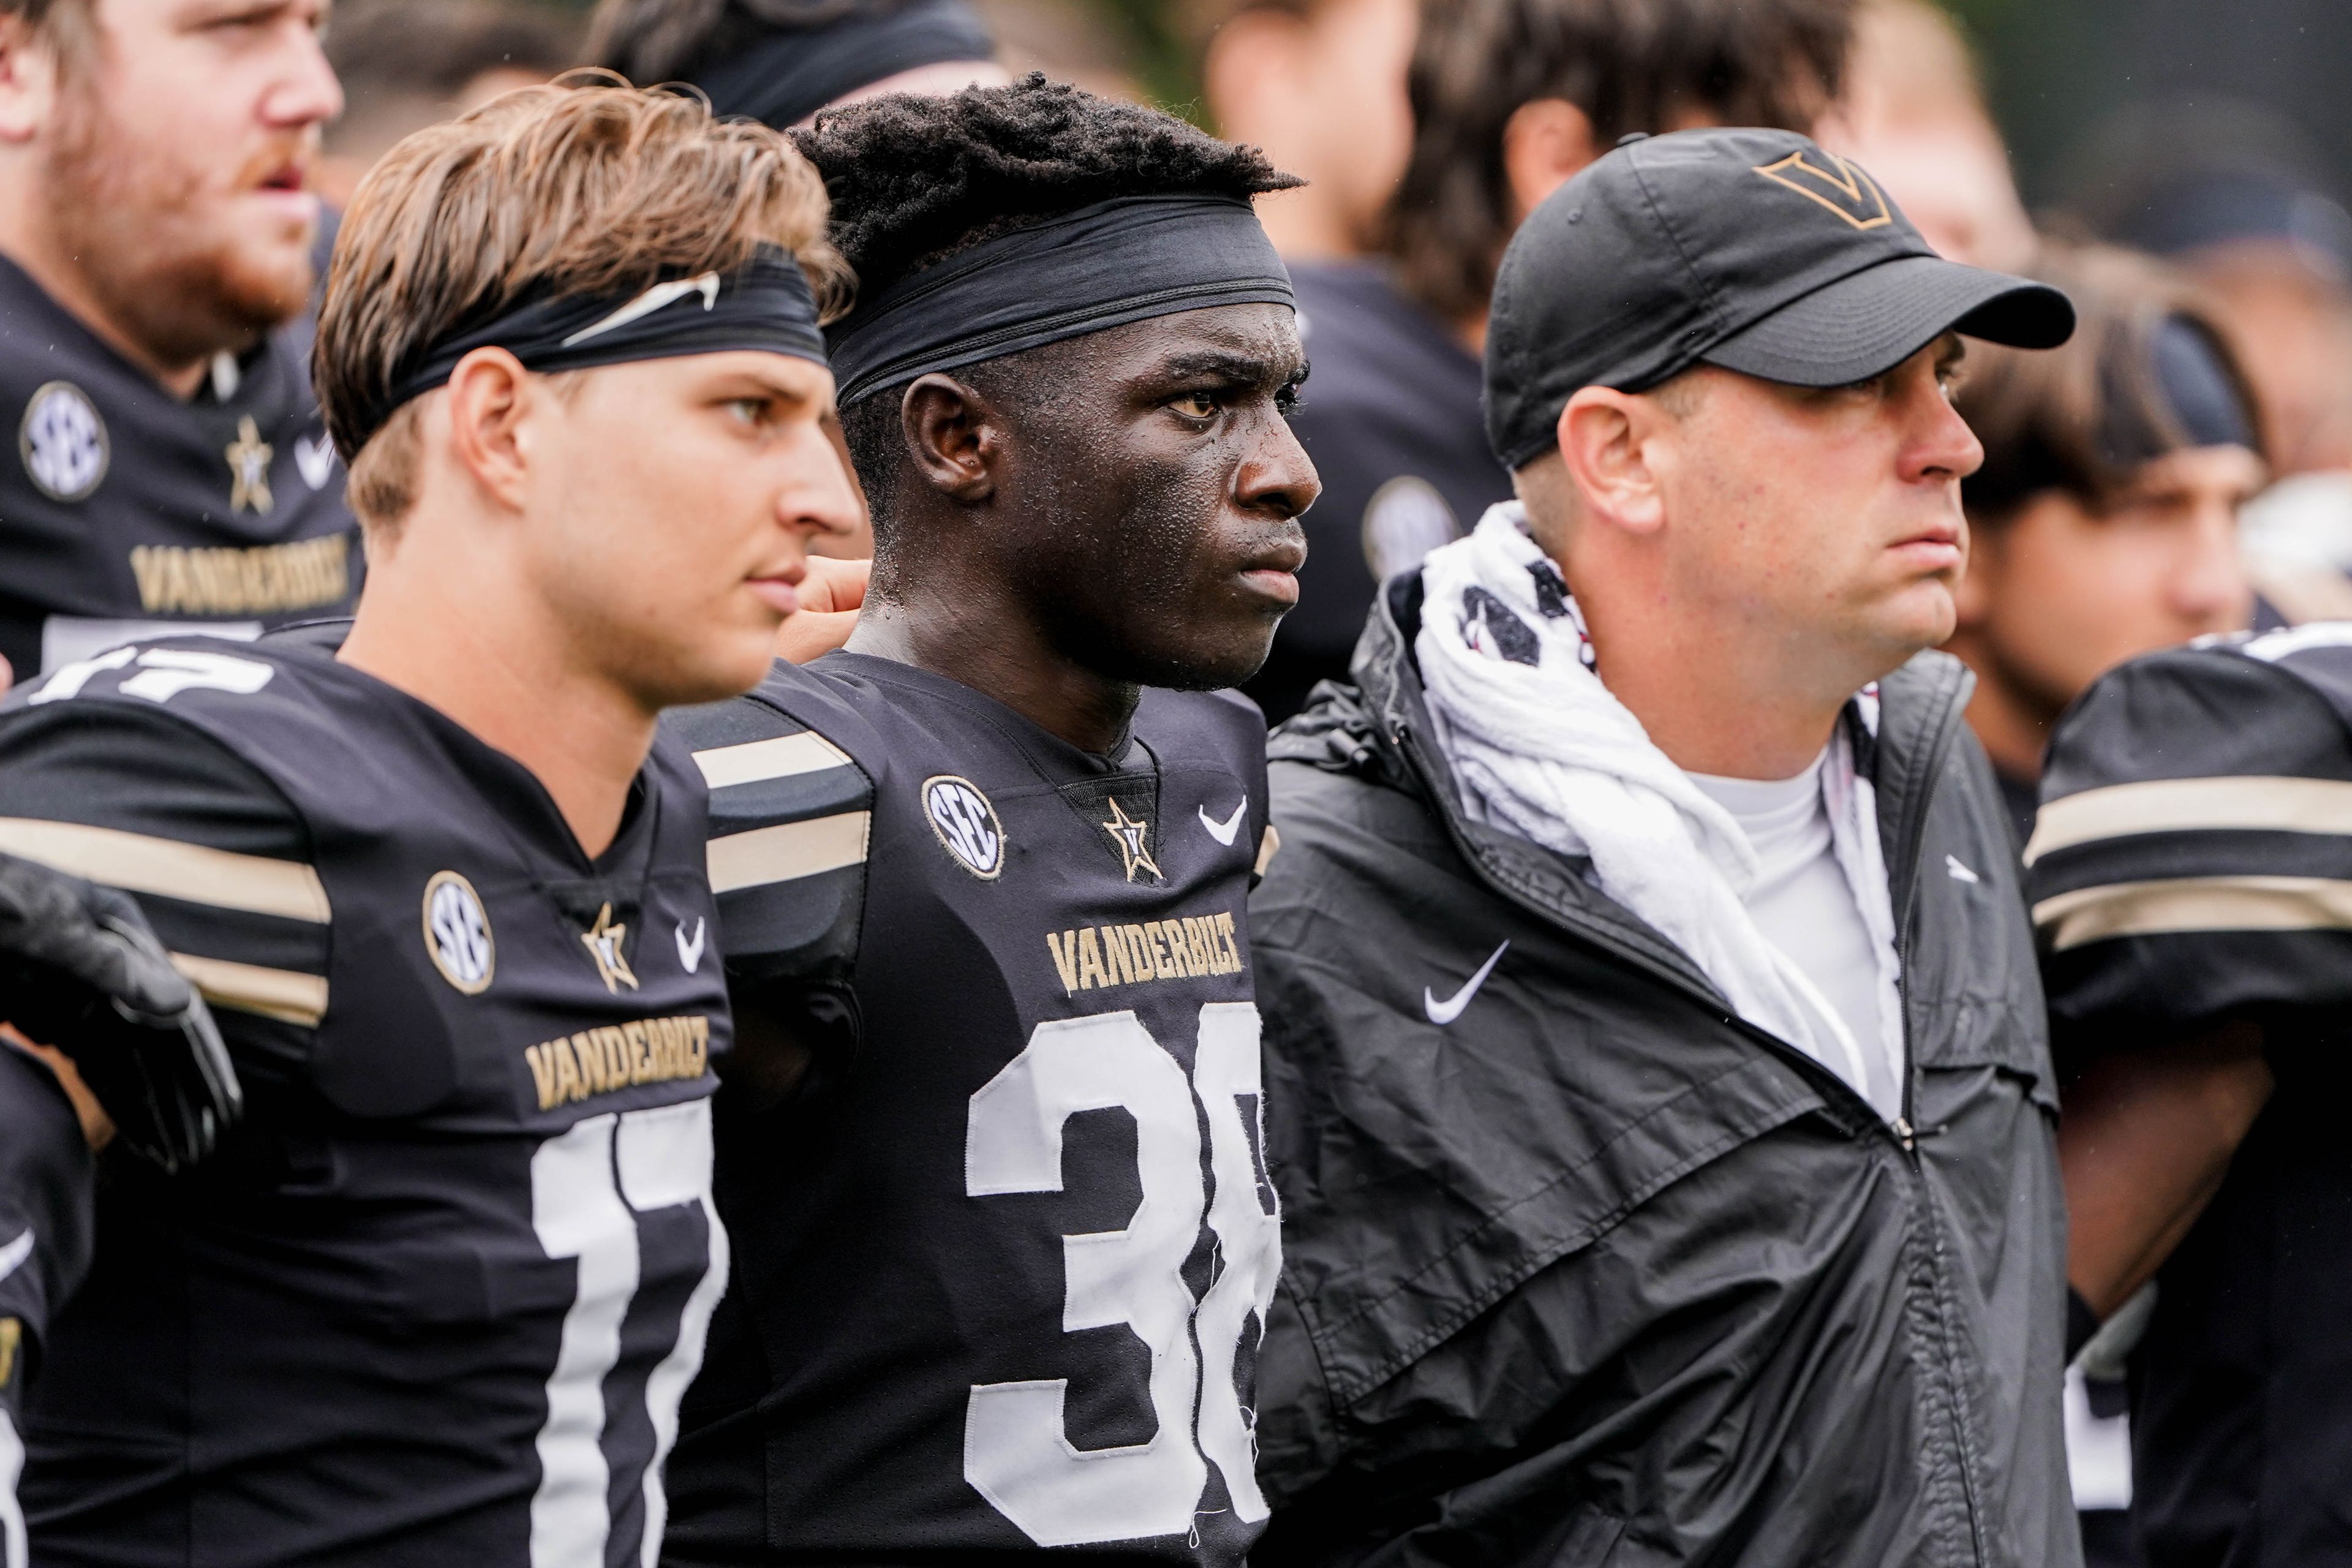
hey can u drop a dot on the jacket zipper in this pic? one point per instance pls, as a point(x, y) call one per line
point(1915, 832)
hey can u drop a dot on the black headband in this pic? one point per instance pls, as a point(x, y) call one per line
point(1103, 266)
point(2206, 406)
point(766, 306)
point(785, 75)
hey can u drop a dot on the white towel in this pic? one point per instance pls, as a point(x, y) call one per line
point(1542, 750)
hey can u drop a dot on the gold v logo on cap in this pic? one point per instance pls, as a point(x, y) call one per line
point(1849, 193)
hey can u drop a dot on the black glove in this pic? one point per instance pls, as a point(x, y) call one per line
point(81, 971)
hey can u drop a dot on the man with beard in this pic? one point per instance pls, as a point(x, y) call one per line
point(990, 1147)
point(156, 256)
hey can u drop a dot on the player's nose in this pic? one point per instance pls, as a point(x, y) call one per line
point(1277, 476)
point(304, 90)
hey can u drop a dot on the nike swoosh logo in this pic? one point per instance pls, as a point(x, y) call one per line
point(12, 1256)
point(646, 303)
point(1445, 1012)
point(317, 463)
point(1223, 832)
point(689, 953)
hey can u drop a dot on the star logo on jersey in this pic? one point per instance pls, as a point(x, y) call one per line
point(603, 941)
point(1134, 840)
point(966, 824)
point(458, 933)
point(63, 442)
point(248, 470)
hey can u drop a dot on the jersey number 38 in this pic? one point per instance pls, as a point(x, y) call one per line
point(1017, 1449)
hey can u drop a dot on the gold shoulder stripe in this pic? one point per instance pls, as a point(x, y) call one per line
point(2191, 805)
point(787, 851)
point(782, 758)
point(1269, 844)
point(2193, 904)
point(139, 863)
point(286, 994)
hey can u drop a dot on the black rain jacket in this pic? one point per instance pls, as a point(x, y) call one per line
point(1597, 1273)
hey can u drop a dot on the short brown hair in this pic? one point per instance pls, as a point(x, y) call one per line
point(584, 189)
point(1630, 65)
point(2040, 414)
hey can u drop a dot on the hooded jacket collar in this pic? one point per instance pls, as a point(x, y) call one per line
point(1382, 728)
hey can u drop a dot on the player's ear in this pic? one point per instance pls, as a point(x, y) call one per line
point(1605, 440)
point(28, 78)
point(490, 403)
point(952, 437)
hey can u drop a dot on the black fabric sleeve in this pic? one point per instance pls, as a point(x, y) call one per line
point(2193, 858)
point(45, 1215)
point(128, 796)
point(790, 815)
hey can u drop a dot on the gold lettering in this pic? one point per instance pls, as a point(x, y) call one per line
point(1232, 949)
point(644, 1065)
point(567, 1069)
point(1090, 964)
point(265, 579)
point(1116, 962)
point(699, 1058)
point(11, 1330)
point(542, 1074)
point(1139, 952)
point(1065, 948)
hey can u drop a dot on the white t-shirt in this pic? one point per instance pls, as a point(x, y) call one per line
point(1803, 905)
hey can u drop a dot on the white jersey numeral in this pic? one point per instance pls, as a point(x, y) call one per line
point(12, 1518)
point(1017, 1452)
point(590, 1188)
point(164, 674)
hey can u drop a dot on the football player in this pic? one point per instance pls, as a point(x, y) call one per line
point(79, 965)
point(992, 1157)
point(157, 246)
point(437, 1301)
point(2191, 877)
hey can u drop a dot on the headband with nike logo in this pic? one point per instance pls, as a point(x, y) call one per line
point(766, 306)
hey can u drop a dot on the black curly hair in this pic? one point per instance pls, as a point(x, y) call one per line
point(915, 180)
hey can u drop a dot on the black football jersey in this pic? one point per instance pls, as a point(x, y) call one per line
point(436, 1300)
point(2192, 864)
point(127, 514)
point(45, 1225)
point(1002, 1269)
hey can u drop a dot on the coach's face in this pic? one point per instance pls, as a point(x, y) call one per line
point(670, 509)
point(178, 139)
point(1829, 519)
point(1159, 492)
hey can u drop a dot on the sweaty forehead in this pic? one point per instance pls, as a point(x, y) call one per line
point(1258, 341)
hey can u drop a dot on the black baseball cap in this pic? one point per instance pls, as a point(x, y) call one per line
point(1754, 250)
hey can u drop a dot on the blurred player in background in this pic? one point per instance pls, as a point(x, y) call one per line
point(440, 1301)
point(2192, 874)
point(405, 64)
point(1913, 114)
point(1509, 98)
point(2104, 524)
point(780, 61)
point(157, 234)
point(1317, 86)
